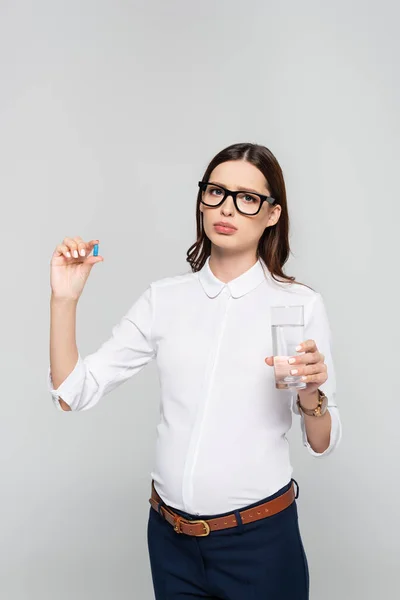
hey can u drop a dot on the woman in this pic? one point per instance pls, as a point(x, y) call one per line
point(223, 520)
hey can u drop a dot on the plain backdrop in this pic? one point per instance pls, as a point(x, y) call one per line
point(110, 111)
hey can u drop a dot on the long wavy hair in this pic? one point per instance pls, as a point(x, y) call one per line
point(273, 247)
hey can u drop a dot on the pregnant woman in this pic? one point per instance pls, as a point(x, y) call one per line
point(223, 521)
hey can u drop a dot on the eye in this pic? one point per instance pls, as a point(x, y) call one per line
point(249, 199)
point(215, 191)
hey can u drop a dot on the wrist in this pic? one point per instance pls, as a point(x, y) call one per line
point(63, 301)
point(309, 400)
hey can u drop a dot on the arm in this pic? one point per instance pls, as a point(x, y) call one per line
point(315, 435)
point(129, 348)
point(63, 350)
point(70, 267)
point(317, 430)
point(321, 435)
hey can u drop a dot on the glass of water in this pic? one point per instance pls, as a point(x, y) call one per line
point(287, 324)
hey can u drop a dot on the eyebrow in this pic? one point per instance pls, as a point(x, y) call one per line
point(243, 189)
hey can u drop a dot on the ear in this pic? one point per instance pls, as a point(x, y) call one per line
point(274, 216)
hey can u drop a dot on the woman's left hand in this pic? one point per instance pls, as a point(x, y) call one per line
point(310, 366)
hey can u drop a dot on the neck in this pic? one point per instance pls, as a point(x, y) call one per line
point(229, 266)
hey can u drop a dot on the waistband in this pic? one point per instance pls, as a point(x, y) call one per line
point(204, 526)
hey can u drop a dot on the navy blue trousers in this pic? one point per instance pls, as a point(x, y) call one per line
point(264, 560)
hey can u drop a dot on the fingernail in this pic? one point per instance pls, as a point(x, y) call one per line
point(291, 360)
point(293, 371)
point(68, 254)
point(76, 253)
point(298, 348)
point(83, 252)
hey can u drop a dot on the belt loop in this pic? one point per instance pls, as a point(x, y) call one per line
point(239, 521)
point(159, 505)
point(298, 488)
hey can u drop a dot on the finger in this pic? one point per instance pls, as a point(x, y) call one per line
point(92, 244)
point(84, 248)
point(309, 369)
point(62, 250)
point(72, 245)
point(319, 378)
point(88, 247)
point(270, 361)
point(81, 246)
point(304, 359)
point(92, 260)
point(307, 346)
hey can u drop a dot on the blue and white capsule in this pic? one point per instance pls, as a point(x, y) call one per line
point(96, 250)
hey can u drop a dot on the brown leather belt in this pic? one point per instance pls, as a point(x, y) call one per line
point(201, 528)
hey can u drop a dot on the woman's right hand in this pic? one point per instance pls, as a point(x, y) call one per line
point(70, 267)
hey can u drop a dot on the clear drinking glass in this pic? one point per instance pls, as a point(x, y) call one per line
point(287, 324)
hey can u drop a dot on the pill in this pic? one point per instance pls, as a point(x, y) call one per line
point(96, 250)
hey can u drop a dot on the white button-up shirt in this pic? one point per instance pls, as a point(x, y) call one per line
point(221, 439)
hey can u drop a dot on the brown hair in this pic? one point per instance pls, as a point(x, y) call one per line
point(273, 246)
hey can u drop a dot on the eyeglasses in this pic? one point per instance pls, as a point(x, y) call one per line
point(247, 203)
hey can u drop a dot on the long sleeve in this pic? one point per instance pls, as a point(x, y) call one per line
point(129, 348)
point(317, 328)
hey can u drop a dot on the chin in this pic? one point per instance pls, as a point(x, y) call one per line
point(224, 241)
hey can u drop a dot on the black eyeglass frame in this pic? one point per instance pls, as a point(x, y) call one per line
point(263, 198)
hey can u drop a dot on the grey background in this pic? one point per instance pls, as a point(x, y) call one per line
point(109, 113)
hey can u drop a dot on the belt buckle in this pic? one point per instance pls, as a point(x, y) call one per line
point(206, 527)
point(177, 525)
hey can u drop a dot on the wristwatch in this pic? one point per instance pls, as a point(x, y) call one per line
point(321, 408)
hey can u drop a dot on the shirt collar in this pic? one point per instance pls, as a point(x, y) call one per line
point(239, 286)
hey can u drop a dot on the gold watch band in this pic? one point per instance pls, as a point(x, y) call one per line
point(319, 410)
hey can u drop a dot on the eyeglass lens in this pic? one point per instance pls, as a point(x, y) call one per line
point(247, 203)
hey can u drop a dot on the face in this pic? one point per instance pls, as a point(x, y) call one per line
point(235, 175)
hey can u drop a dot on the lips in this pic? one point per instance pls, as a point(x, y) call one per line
point(226, 225)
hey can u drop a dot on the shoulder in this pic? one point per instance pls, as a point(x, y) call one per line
point(174, 281)
point(293, 288)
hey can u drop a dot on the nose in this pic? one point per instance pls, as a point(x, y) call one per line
point(228, 207)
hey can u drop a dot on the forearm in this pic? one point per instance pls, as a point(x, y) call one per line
point(318, 429)
point(63, 348)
